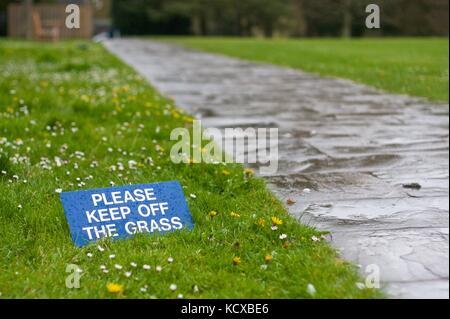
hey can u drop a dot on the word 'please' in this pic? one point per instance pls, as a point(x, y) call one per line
point(124, 197)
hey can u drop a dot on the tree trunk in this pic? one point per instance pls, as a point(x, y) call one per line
point(300, 24)
point(268, 29)
point(347, 19)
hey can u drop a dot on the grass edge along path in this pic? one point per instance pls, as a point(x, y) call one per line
point(412, 66)
point(74, 117)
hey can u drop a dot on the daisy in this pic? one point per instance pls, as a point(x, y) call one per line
point(311, 289)
point(158, 268)
point(283, 236)
point(170, 260)
point(360, 286)
point(118, 267)
point(173, 287)
point(146, 267)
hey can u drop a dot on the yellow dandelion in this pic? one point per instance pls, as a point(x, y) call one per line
point(261, 222)
point(188, 119)
point(225, 172)
point(236, 215)
point(114, 288)
point(236, 261)
point(212, 214)
point(249, 172)
point(276, 221)
point(268, 258)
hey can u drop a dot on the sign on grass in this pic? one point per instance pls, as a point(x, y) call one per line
point(121, 212)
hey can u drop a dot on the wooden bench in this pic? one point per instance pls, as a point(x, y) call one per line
point(45, 30)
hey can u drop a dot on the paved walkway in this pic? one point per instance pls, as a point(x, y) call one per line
point(353, 146)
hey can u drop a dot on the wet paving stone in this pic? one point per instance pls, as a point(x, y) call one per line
point(352, 146)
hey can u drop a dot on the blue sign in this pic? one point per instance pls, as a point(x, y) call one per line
point(121, 212)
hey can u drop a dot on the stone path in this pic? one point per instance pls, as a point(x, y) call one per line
point(353, 146)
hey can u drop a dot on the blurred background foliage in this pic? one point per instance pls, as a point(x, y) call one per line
point(295, 18)
point(289, 18)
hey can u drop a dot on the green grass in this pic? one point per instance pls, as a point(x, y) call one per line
point(79, 98)
point(417, 67)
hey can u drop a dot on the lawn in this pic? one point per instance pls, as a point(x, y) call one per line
point(417, 67)
point(70, 113)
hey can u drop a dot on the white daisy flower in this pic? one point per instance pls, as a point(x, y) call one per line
point(310, 289)
point(360, 286)
point(58, 190)
point(146, 267)
point(132, 164)
point(283, 236)
point(133, 264)
point(112, 256)
point(118, 267)
point(173, 287)
point(158, 268)
point(170, 260)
